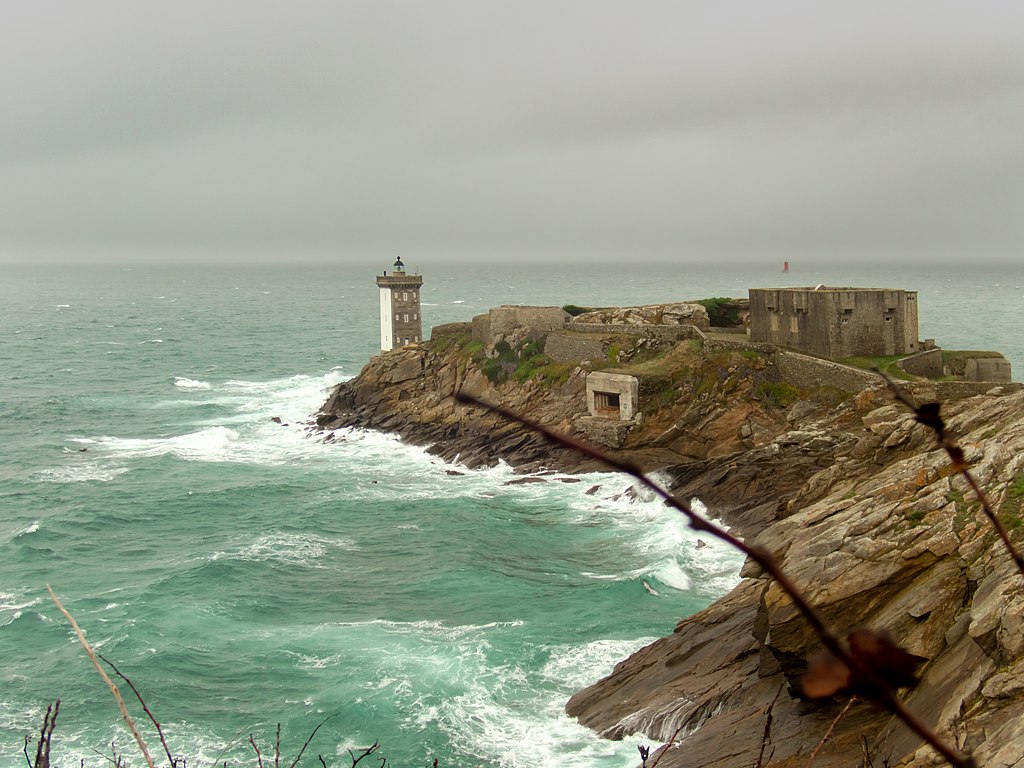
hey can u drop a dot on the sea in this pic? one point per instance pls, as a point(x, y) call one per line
point(242, 573)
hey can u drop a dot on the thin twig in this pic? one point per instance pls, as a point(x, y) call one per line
point(259, 757)
point(106, 679)
point(667, 746)
point(299, 756)
point(832, 725)
point(366, 752)
point(45, 735)
point(762, 557)
point(277, 746)
point(228, 745)
point(956, 456)
point(864, 751)
point(145, 707)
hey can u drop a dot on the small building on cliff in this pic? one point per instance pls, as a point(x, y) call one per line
point(836, 322)
point(401, 321)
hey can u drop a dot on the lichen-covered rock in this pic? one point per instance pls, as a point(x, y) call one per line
point(677, 313)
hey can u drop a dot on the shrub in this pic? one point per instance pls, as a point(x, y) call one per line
point(776, 394)
point(574, 310)
point(723, 312)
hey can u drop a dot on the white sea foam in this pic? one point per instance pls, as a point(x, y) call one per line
point(292, 549)
point(78, 473)
point(666, 548)
point(577, 666)
point(185, 383)
point(517, 726)
point(28, 529)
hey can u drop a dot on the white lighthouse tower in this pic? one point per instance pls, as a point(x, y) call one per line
point(400, 320)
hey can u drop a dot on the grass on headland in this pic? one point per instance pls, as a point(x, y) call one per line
point(884, 363)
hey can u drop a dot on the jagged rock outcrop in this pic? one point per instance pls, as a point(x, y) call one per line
point(902, 547)
point(677, 313)
point(852, 496)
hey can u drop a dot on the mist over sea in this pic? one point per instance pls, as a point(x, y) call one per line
point(243, 573)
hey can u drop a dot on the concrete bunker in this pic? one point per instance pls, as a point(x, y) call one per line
point(613, 395)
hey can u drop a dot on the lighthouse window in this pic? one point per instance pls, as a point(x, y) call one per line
point(405, 318)
point(396, 318)
point(405, 296)
point(414, 316)
point(414, 295)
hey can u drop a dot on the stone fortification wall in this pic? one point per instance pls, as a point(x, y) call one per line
point(572, 347)
point(988, 369)
point(836, 322)
point(945, 391)
point(512, 320)
point(927, 363)
point(660, 332)
point(450, 329)
point(482, 328)
point(809, 372)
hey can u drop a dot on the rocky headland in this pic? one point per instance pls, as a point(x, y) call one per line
point(849, 492)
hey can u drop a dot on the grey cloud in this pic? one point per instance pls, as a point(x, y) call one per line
point(670, 129)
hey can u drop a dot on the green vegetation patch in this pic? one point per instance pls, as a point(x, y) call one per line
point(575, 310)
point(776, 394)
point(1010, 509)
point(723, 312)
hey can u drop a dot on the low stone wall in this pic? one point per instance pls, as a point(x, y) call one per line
point(943, 391)
point(808, 372)
point(988, 369)
point(661, 332)
point(450, 329)
point(574, 348)
point(927, 363)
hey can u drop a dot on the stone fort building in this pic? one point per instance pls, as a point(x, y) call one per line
point(401, 321)
point(836, 322)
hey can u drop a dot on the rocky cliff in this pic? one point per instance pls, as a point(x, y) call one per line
point(849, 492)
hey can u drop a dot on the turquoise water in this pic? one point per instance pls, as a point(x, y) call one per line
point(244, 574)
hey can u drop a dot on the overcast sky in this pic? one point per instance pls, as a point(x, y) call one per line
point(478, 129)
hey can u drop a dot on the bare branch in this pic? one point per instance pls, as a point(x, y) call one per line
point(667, 746)
point(886, 696)
point(832, 725)
point(45, 735)
point(299, 756)
point(259, 757)
point(366, 752)
point(106, 679)
point(145, 707)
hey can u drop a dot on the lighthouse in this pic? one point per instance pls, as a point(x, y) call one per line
point(400, 320)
